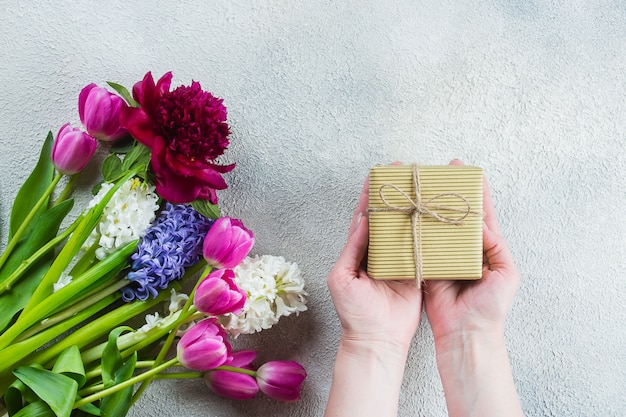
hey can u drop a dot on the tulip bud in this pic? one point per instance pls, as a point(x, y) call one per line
point(204, 346)
point(72, 150)
point(227, 243)
point(218, 294)
point(231, 384)
point(281, 380)
point(99, 111)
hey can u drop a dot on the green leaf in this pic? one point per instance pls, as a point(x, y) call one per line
point(17, 394)
point(56, 390)
point(36, 409)
point(212, 211)
point(111, 356)
point(118, 404)
point(46, 228)
point(111, 168)
point(33, 188)
point(123, 145)
point(70, 364)
point(122, 91)
point(90, 409)
point(139, 155)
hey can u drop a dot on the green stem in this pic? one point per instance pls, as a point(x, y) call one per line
point(87, 222)
point(19, 271)
point(181, 375)
point(16, 353)
point(233, 369)
point(87, 259)
point(65, 294)
point(69, 311)
point(67, 190)
point(129, 340)
point(170, 338)
point(127, 383)
point(18, 234)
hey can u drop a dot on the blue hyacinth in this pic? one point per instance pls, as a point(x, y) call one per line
point(172, 244)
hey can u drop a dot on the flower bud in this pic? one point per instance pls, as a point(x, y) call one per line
point(231, 384)
point(204, 346)
point(281, 380)
point(72, 150)
point(99, 111)
point(227, 243)
point(218, 294)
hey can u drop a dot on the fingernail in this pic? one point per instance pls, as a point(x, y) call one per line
point(358, 219)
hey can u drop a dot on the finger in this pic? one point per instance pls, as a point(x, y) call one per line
point(355, 248)
point(495, 248)
point(490, 211)
point(456, 162)
point(361, 207)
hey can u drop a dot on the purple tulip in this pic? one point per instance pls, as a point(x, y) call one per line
point(218, 294)
point(227, 243)
point(204, 346)
point(242, 359)
point(72, 150)
point(231, 384)
point(234, 384)
point(99, 111)
point(281, 380)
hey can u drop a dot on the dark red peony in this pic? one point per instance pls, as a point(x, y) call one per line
point(186, 130)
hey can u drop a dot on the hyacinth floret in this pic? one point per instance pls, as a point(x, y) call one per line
point(172, 244)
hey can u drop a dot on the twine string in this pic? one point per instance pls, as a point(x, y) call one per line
point(416, 209)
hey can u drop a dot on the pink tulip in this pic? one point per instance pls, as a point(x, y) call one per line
point(281, 380)
point(99, 111)
point(227, 243)
point(218, 294)
point(231, 384)
point(72, 150)
point(204, 346)
point(242, 359)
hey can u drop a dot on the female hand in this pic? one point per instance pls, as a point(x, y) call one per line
point(378, 320)
point(467, 319)
point(455, 307)
point(371, 311)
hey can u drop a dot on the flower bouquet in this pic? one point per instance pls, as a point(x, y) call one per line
point(70, 288)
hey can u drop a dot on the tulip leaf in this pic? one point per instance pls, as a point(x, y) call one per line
point(56, 390)
point(211, 211)
point(16, 395)
point(36, 409)
point(90, 409)
point(33, 188)
point(123, 91)
point(69, 363)
point(46, 228)
point(118, 404)
point(111, 356)
point(112, 168)
point(139, 155)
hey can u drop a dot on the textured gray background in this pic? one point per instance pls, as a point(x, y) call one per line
point(319, 91)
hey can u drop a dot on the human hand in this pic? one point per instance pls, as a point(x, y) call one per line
point(384, 313)
point(461, 307)
point(467, 319)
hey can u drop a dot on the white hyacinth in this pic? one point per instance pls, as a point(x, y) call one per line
point(275, 288)
point(125, 218)
point(63, 280)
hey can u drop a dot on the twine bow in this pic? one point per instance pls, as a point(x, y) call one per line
point(416, 209)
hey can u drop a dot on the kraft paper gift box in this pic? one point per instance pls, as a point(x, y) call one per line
point(444, 238)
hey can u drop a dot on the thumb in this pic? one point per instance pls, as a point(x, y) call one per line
point(355, 248)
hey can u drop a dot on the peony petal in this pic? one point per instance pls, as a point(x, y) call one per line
point(138, 124)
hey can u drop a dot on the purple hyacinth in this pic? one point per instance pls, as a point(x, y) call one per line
point(172, 244)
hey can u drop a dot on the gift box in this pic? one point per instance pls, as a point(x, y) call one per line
point(425, 222)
